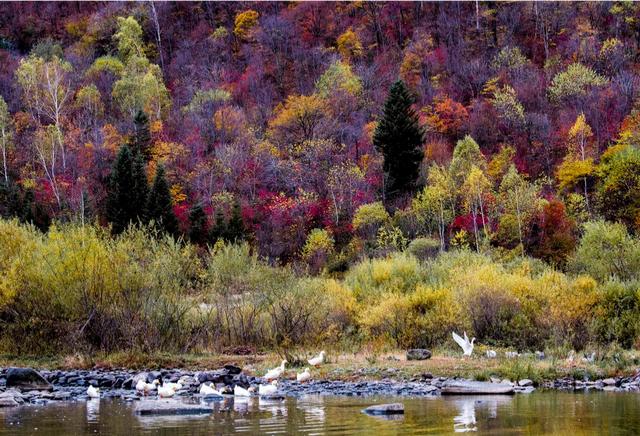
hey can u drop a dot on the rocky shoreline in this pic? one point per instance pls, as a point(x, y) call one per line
point(26, 386)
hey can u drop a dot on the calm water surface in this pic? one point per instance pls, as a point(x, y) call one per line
point(539, 413)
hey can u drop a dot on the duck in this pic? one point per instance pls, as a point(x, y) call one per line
point(144, 387)
point(240, 392)
point(208, 390)
point(175, 386)
point(491, 354)
point(465, 344)
point(275, 373)
point(268, 389)
point(166, 391)
point(93, 392)
point(318, 360)
point(303, 376)
point(511, 354)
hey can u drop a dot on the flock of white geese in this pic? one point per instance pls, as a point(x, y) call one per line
point(168, 390)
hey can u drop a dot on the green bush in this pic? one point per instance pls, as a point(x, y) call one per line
point(618, 314)
point(424, 248)
point(606, 251)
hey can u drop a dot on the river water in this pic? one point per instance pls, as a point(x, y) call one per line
point(540, 413)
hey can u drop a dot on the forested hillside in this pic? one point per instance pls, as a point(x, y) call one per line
point(509, 124)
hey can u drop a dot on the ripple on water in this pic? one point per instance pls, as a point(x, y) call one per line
point(539, 413)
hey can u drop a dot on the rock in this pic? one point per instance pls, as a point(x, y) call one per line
point(232, 369)
point(465, 387)
point(525, 382)
point(418, 354)
point(170, 407)
point(525, 389)
point(506, 381)
point(8, 402)
point(610, 388)
point(272, 397)
point(61, 395)
point(494, 379)
point(154, 375)
point(609, 382)
point(385, 409)
point(27, 379)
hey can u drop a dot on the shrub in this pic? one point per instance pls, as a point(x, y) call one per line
point(424, 248)
point(399, 273)
point(617, 314)
point(607, 251)
point(100, 293)
point(317, 249)
point(368, 218)
point(423, 318)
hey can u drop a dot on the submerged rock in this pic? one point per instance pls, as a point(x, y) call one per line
point(385, 409)
point(418, 354)
point(466, 387)
point(27, 379)
point(170, 407)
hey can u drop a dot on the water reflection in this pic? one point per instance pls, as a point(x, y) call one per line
point(467, 407)
point(465, 421)
point(549, 413)
point(93, 410)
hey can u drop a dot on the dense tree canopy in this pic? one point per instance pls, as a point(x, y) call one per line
point(501, 125)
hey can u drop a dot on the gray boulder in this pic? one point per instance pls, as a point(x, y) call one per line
point(385, 409)
point(418, 354)
point(27, 379)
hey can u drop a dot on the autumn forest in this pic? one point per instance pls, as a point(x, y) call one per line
point(347, 172)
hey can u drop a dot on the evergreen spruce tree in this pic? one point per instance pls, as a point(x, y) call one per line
point(159, 207)
point(197, 224)
point(140, 190)
point(219, 229)
point(141, 141)
point(10, 201)
point(399, 138)
point(121, 207)
point(235, 229)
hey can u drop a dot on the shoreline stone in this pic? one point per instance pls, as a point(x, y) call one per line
point(71, 385)
point(27, 379)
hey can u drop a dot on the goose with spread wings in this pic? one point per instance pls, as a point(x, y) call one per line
point(465, 344)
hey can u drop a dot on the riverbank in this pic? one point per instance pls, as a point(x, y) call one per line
point(359, 366)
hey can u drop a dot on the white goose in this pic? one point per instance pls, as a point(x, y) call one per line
point(268, 389)
point(240, 392)
point(318, 360)
point(303, 376)
point(465, 344)
point(166, 391)
point(275, 373)
point(93, 392)
point(208, 390)
point(145, 388)
point(491, 354)
point(175, 386)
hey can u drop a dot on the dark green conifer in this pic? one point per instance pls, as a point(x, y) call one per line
point(235, 229)
point(121, 208)
point(141, 141)
point(197, 224)
point(159, 205)
point(399, 138)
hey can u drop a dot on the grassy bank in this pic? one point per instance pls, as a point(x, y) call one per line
point(359, 366)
